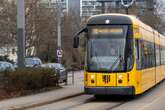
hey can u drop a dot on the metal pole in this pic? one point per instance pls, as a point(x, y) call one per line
point(127, 10)
point(117, 5)
point(103, 7)
point(21, 33)
point(59, 28)
point(73, 77)
point(49, 3)
point(59, 11)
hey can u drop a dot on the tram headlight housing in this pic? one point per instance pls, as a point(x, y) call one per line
point(92, 78)
point(120, 77)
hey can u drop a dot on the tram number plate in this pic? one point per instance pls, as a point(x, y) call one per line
point(106, 78)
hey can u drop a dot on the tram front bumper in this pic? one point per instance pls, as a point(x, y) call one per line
point(110, 90)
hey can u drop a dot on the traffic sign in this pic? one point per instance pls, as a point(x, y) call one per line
point(59, 53)
point(127, 3)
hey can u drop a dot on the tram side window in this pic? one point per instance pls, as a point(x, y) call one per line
point(147, 53)
point(157, 55)
point(162, 56)
point(138, 54)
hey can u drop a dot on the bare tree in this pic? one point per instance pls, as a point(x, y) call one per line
point(160, 13)
point(40, 29)
point(7, 23)
point(71, 25)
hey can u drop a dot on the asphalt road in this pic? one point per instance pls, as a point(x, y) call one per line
point(154, 99)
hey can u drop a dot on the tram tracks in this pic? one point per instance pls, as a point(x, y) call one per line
point(83, 102)
point(80, 101)
point(115, 106)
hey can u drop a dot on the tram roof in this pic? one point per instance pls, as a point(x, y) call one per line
point(114, 19)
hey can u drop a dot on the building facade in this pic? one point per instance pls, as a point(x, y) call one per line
point(53, 3)
point(74, 7)
point(89, 8)
point(115, 5)
point(93, 7)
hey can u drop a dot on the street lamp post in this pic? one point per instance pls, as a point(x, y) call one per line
point(103, 7)
point(21, 33)
point(59, 15)
point(58, 9)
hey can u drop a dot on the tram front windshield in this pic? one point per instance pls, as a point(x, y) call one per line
point(106, 48)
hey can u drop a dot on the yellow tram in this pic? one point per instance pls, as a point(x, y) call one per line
point(124, 56)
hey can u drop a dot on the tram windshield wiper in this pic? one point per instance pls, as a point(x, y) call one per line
point(119, 58)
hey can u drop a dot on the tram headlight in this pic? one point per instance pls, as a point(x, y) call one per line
point(92, 76)
point(120, 77)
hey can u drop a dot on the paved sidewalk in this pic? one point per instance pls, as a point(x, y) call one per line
point(41, 98)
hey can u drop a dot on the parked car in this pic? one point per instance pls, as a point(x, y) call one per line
point(33, 62)
point(58, 68)
point(15, 65)
point(6, 66)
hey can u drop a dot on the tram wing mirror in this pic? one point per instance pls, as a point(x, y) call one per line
point(76, 38)
point(76, 42)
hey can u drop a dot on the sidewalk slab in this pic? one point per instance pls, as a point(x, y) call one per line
point(37, 99)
